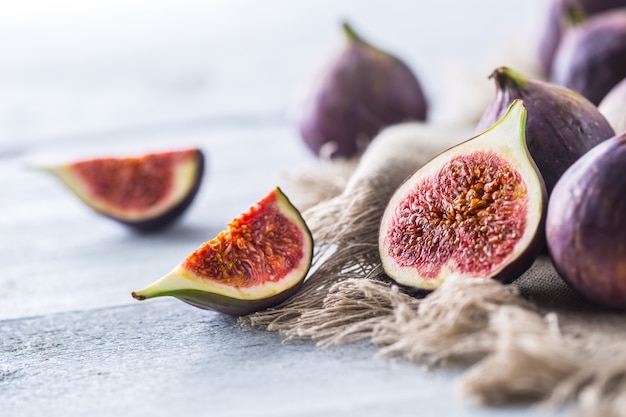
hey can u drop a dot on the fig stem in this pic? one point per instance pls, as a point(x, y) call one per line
point(574, 15)
point(506, 76)
point(351, 35)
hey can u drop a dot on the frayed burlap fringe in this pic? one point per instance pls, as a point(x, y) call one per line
point(534, 341)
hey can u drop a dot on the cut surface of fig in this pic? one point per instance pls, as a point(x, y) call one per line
point(475, 210)
point(145, 192)
point(258, 261)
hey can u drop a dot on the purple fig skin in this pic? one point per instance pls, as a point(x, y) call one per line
point(613, 107)
point(557, 22)
point(586, 224)
point(360, 90)
point(591, 57)
point(561, 124)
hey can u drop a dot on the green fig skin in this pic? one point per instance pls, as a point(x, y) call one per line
point(561, 125)
point(359, 91)
point(559, 20)
point(586, 224)
point(591, 57)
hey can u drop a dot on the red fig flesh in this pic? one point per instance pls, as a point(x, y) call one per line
point(360, 90)
point(586, 224)
point(476, 210)
point(260, 260)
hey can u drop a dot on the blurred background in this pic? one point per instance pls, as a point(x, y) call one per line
point(72, 67)
point(91, 78)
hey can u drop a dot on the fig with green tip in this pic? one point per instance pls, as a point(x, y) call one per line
point(562, 125)
point(591, 57)
point(146, 192)
point(360, 90)
point(477, 210)
point(586, 224)
point(258, 261)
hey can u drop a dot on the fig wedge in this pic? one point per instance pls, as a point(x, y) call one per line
point(146, 192)
point(257, 262)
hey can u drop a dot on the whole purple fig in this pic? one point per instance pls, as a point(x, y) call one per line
point(591, 57)
point(613, 107)
point(586, 224)
point(360, 90)
point(562, 125)
point(561, 14)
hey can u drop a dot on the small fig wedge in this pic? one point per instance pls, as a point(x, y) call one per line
point(591, 57)
point(147, 192)
point(586, 224)
point(359, 90)
point(259, 261)
point(475, 210)
point(562, 125)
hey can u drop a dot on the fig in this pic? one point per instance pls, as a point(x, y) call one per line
point(562, 125)
point(146, 192)
point(562, 15)
point(613, 107)
point(359, 90)
point(591, 57)
point(475, 210)
point(258, 261)
point(586, 224)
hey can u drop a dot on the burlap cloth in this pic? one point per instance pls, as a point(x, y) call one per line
point(535, 341)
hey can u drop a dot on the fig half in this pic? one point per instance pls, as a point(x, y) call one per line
point(147, 192)
point(359, 90)
point(259, 261)
point(561, 126)
point(586, 224)
point(475, 210)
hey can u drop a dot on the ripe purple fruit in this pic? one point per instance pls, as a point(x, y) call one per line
point(586, 224)
point(591, 57)
point(562, 14)
point(561, 126)
point(360, 90)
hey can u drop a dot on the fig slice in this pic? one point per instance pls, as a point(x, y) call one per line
point(145, 192)
point(258, 261)
point(475, 210)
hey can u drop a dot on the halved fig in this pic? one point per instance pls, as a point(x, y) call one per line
point(475, 210)
point(146, 192)
point(258, 261)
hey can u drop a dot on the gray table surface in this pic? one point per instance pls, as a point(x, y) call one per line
point(135, 76)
